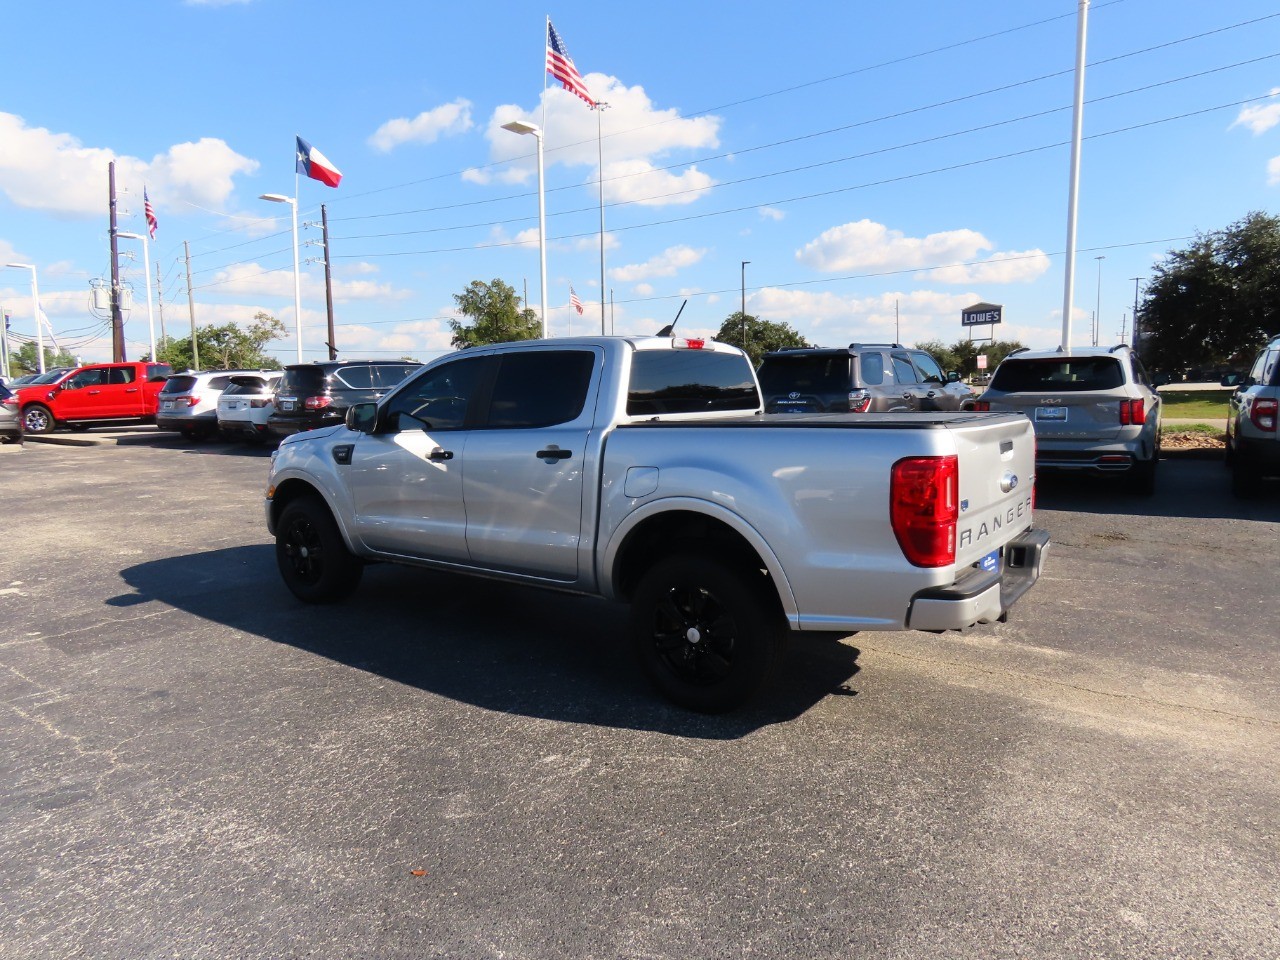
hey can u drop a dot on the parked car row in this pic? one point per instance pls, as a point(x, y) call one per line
point(260, 404)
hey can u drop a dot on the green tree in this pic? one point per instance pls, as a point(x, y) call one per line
point(962, 356)
point(1216, 301)
point(495, 314)
point(227, 347)
point(762, 335)
point(25, 359)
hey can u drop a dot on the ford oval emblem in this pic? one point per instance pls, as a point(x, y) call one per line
point(1008, 482)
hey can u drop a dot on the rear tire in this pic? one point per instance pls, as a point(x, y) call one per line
point(37, 419)
point(705, 637)
point(314, 561)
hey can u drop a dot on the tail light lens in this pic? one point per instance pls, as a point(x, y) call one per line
point(9, 402)
point(859, 401)
point(1263, 414)
point(1132, 413)
point(688, 343)
point(982, 406)
point(924, 505)
point(317, 403)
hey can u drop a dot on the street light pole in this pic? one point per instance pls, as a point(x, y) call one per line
point(146, 273)
point(1135, 280)
point(1097, 308)
point(1073, 192)
point(35, 310)
point(297, 282)
point(744, 304)
point(524, 127)
point(599, 109)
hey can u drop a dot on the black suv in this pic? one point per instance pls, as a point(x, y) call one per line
point(312, 395)
point(860, 378)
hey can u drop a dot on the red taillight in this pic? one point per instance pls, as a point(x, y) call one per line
point(859, 401)
point(1133, 413)
point(924, 505)
point(1263, 414)
point(982, 406)
point(186, 398)
point(9, 402)
point(686, 343)
point(317, 403)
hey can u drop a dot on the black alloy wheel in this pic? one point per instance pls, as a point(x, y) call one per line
point(704, 638)
point(314, 561)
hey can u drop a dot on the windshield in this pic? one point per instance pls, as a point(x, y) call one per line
point(1058, 376)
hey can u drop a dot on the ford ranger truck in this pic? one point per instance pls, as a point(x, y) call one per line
point(97, 393)
point(643, 471)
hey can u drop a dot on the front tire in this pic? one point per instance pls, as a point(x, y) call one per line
point(37, 419)
point(705, 638)
point(314, 561)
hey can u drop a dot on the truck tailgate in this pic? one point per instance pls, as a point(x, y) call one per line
point(997, 477)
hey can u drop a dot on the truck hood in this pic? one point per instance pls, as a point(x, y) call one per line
point(309, 436)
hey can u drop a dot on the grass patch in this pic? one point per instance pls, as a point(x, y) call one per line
point(1207, 429)
point(1189, 404)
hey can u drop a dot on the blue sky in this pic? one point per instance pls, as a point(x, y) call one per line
point(859, 156)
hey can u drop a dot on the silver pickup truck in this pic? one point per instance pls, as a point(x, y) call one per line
point(642, 470)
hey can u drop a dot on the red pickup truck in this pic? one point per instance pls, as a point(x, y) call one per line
point(92, 394)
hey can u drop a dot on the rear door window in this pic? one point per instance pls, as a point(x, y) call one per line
point(540, 388)
point(357, 377)
point(122, 375)
point(903, 371)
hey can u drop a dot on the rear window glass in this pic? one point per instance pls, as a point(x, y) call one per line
point(390, 374)
point(689, 381)
point(806, 374)
point(872, 369)
point(178, 384)
point(301, 380)
point(1058, 376)
point(158, 371)
point(219, 383)
point(246, 385)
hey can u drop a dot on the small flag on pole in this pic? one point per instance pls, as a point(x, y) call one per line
point(573, 299)
point(150, 211)
point(560, 65)
point(314, 164)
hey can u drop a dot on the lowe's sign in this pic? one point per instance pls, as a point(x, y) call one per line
point(980, 313)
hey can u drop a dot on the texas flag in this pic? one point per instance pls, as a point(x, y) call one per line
point(316, 165)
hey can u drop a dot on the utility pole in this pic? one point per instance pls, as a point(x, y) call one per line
point(4, 342)
point(160, 301)
point(897, 332)
point(191, 308)
point(117, 319)
point(328, 282)
point(1136, 281)
point(744, 304)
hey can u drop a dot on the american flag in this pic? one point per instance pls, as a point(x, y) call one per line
point(573, 299)
point(560, 65)
point(150, 212)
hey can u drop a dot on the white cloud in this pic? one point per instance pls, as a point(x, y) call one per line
point(634, 136)
point(867, 245)
point(1259, 117)
point(643, 289)
point(252, 279)
point(54, 172)
point(771, 213)
point(448, 119)
point(665, 264)
point(1273, 171)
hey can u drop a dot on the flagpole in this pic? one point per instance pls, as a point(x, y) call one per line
point(599, 108)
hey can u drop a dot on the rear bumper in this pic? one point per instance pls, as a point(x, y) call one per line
point(982, 597)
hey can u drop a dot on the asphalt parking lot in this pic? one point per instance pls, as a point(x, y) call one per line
point(196, 765)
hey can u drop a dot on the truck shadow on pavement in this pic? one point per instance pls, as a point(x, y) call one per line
point(501, 647)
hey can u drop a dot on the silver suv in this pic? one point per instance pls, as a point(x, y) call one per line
point(862, 378)
point(189, 401)
point(1253, 445)
point(1093, 409)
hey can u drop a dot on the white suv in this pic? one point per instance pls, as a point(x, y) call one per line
point(1093, 409)
point(189, 401)
point(1253, 443)
point(245, 405)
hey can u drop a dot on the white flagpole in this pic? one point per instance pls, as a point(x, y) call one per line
point(1068, 292)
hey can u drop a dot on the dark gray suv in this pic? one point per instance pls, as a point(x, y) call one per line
point(1253, 443)
point(312, 395)
point(860, 378)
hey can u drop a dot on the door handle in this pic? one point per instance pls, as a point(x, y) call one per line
point(440, 453)
point(554, 453)
point(131, 390)
point(906, 396)
point(94, 393)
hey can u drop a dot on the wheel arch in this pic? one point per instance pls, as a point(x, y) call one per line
point(291, 489)
point(667, 527)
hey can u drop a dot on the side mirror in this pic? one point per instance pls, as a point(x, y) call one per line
point(1231, 380)
point(953, 377)
point(362, 417)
